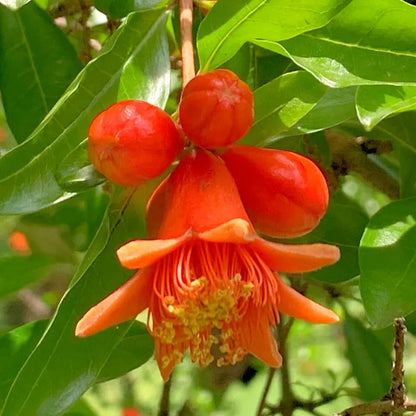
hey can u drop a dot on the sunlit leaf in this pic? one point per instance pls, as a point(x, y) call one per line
point(230, 24)
point(281, 103)
point(375, 103)
point(135, 61)
point(387, 260)
point(368, 42)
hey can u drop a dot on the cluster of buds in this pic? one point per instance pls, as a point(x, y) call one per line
point(205, 274)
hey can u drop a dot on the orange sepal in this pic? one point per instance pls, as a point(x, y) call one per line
point(123, 304)
point(294, 304)
point(295, 258)
point(142, 253)
point(235, 231)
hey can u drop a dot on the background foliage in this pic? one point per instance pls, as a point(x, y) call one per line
point(332, 79)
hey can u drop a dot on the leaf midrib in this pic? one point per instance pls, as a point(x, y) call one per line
point(96, 98)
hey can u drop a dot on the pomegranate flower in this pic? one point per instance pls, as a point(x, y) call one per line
point(207, 278)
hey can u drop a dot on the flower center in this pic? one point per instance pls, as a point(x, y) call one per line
point(202, 292)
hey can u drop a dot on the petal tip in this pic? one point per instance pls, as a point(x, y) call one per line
point(81, 330)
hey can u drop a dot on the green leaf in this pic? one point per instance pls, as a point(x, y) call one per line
point(118, 9)
point(80, 408)
point(14, 4)
point(139, 48)
point(230, 24)
point(368, 42)
point(133, 350)
point(401, 130)
point(335, 107)
point(62, 366)
point(16, 272)
point(388, 263)
point(343, 226)
point(30, 45)
point(376, 102)
point(282, 103)
point(370, 360)
point(15, 347)
point(76, 173)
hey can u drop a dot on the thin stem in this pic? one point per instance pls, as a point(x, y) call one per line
point(286, 403)
point(396, 402)
point(262, 403)
point(187, 48)
point(164, 401)
point(398, 389)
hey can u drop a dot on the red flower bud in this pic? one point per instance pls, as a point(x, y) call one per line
point(216, 109)
point(133, 141)
point(284, 193)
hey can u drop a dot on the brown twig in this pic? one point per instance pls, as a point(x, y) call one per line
point(396, 402)
point(187, 48)
point(351, 155)
point(86, 53)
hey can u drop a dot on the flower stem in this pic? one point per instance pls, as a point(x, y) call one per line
point(187, 48)
point(164, 401)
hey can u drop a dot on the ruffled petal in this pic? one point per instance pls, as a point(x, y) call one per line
point(123, 304)
point(294, 304)
point(142, 253)
point(295, 258)
point(236, 231)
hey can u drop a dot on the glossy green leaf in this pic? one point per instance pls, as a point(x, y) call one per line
point(387, 261)
point(15, 347)
point(343, 226)
point(76, 173)
point(401, 130)
point(368, 42)
point(81, 408)
point(133, 350)
point(17, 272)
point(137, 53)
point(230, 24)
point(62, 366)
point(335, 107)
point(14, 4)
point(410, 323)
point(118, 9)
point(376, 102)
point(30, 45)
point(370, 360)
point(281, 103)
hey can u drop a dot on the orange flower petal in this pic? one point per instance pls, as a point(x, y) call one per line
point(261, 342)
point(123, 304)
point(200, 195)
point(299, 258)
point(155, 209)
point(294, 304)
point(236, 231)
point(142, 253)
